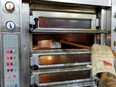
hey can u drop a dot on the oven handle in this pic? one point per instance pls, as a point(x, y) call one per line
point(33, 27)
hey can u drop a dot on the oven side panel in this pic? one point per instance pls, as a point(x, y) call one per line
point(0, 49)
point(25, 45)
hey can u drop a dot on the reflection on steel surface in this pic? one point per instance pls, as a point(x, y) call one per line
point(63, 59)
point(56, 77)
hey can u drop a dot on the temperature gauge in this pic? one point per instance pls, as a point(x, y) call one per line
point(10, 25)
point(9, 6)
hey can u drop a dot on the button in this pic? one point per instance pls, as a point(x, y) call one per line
point(9, 6)
point(10, 25)
point(9, 70)
point(14, 76)
point(9, 57)
point(9, 64)
point(8, 51)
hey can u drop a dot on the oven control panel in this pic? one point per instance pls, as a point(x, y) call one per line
point(11, 60)
point(10, 39)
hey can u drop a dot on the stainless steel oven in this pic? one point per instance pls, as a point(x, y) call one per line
point(57, 60)
point(47, 43)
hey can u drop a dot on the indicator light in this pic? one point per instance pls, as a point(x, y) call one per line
point(13, 51)
point(9, 76)
point(14, 63)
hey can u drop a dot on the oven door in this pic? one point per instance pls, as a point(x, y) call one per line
point(61, 67)
point(64, 21)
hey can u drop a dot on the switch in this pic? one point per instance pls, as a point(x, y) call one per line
point(9, 64)
point(10, 6)
point(10, 25)
point(9, 57)
point(8, 51)
point(9, 70)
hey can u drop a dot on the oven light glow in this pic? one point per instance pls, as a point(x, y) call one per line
point(49, 58)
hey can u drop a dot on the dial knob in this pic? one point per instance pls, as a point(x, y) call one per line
point(10, 25)
point(9, 6)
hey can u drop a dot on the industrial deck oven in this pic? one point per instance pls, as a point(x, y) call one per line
point(47, 43)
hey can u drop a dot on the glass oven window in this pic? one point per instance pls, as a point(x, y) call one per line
point(64, 76)
point(63, 59)
point(45, 22)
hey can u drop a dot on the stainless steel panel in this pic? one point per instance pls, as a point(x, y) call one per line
point(86, 2)
point(25, 46)
point(14, 16)
point(1, 59)
point(6, 16)
point(68, 68)
point(59, 51)
point(113, 27)
point(61, 7)
point(11, 70)
point(103, 25)
point(61, 31)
